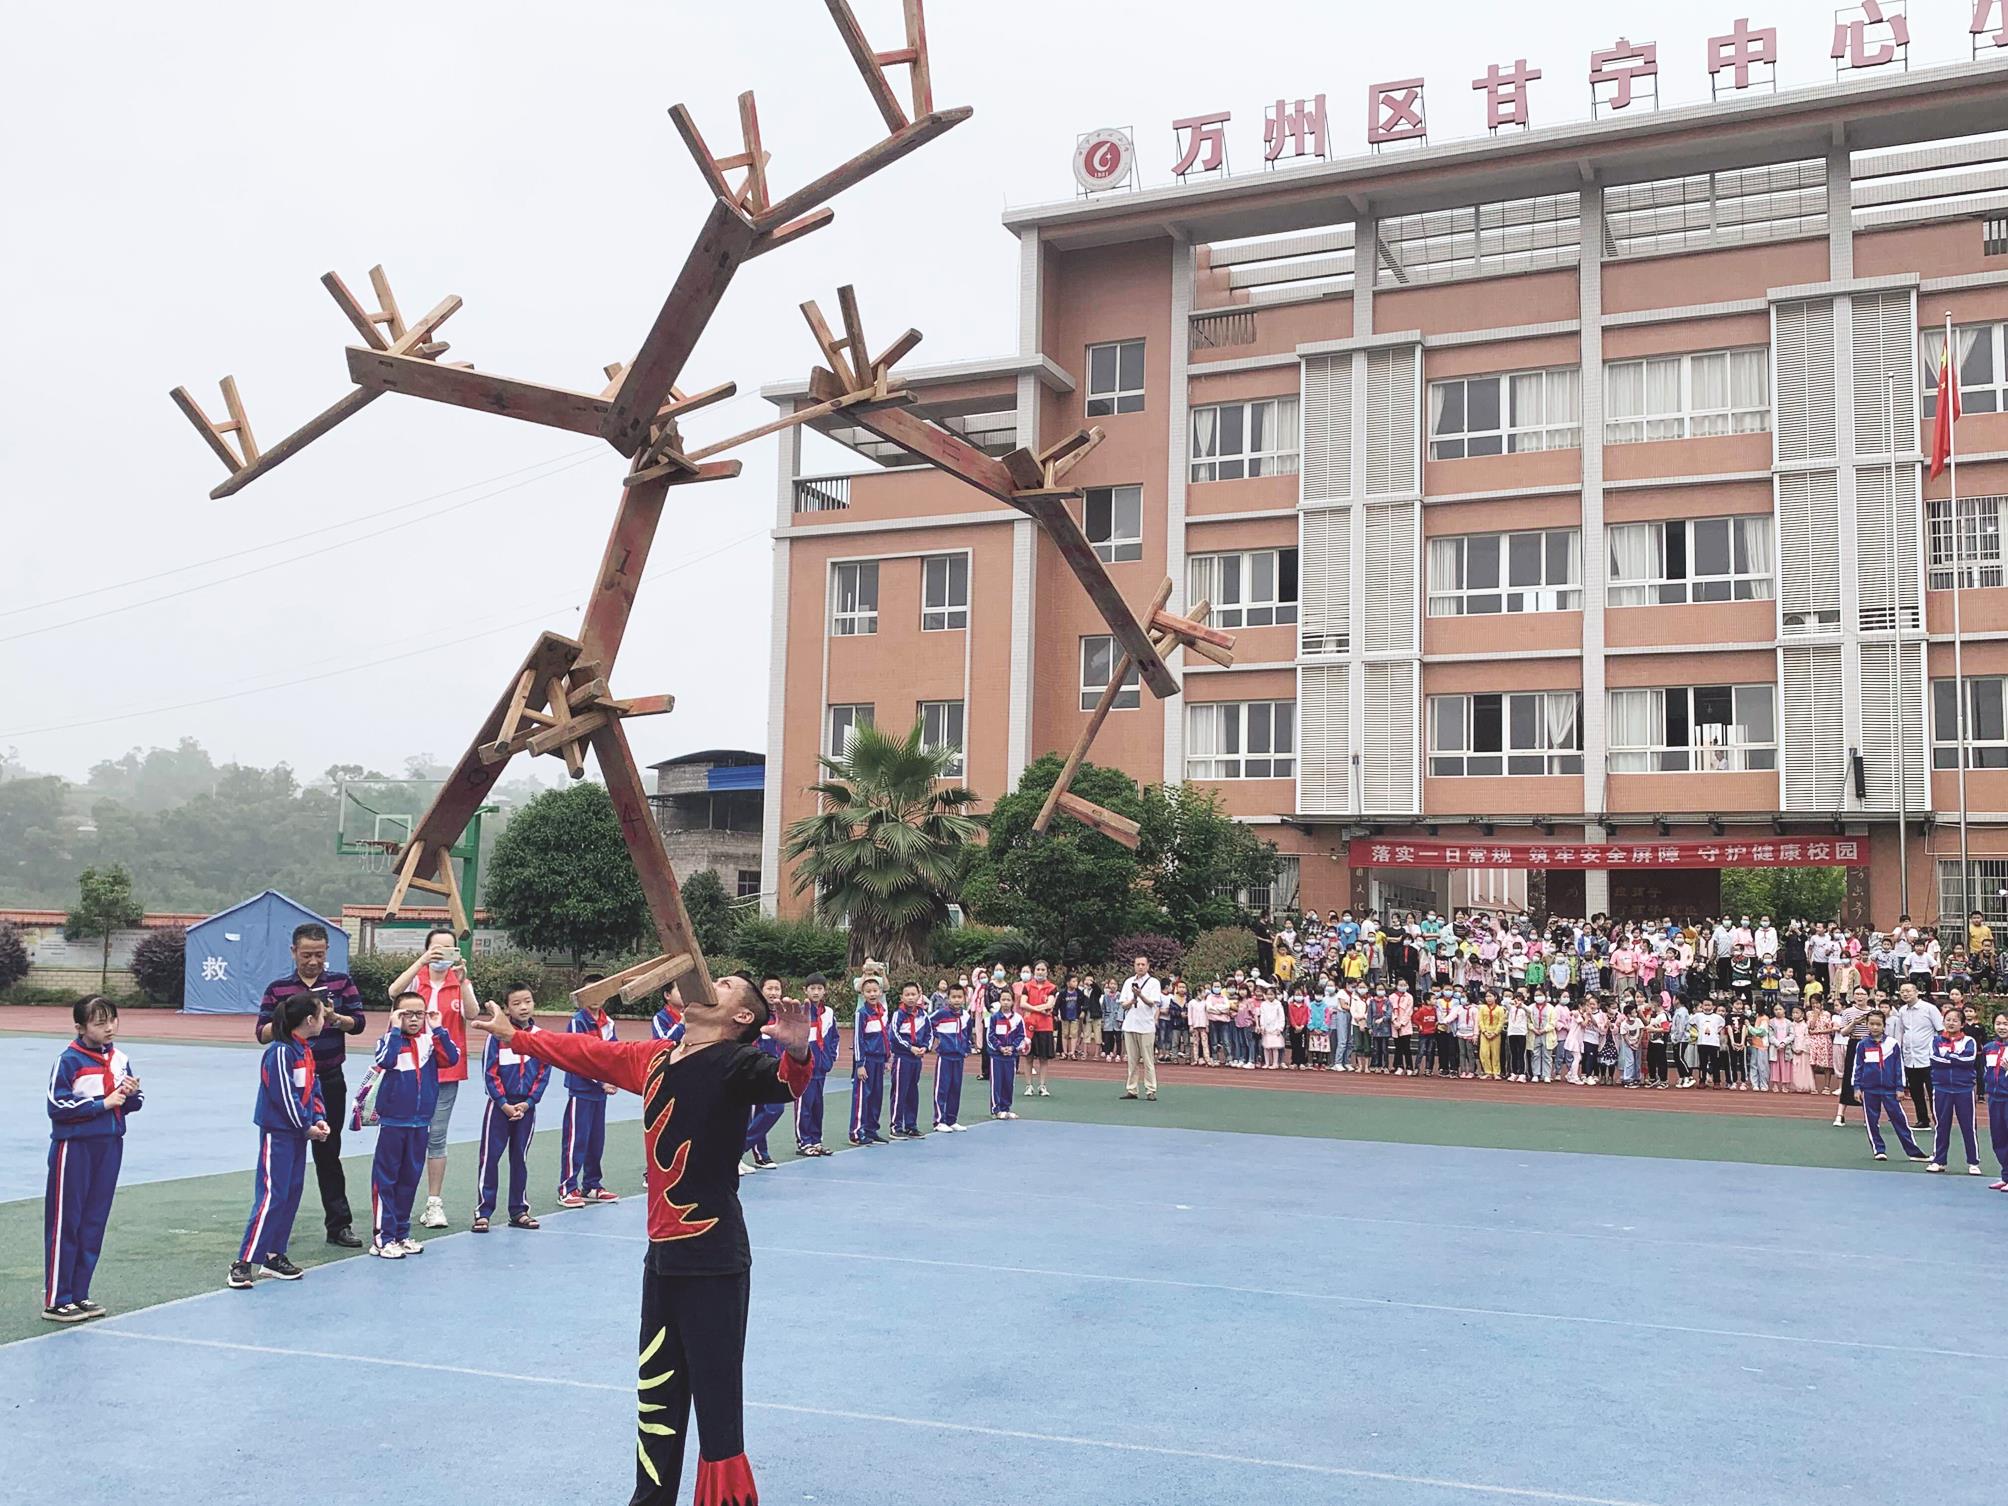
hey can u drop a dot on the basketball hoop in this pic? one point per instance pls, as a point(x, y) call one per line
point(374, 856)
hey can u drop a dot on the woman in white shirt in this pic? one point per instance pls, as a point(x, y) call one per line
point(1270, 1019)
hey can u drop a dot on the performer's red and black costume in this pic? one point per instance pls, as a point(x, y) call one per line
point(696, 1279)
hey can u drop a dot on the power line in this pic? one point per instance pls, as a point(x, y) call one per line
point(311, 533)
point(372, 663)
point(291, 559)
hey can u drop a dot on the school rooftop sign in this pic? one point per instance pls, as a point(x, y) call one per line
point(1622, 77)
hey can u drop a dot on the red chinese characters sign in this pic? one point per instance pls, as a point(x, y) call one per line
point(1716, 852)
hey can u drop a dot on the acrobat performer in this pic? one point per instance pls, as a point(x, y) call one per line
point(695, 1094)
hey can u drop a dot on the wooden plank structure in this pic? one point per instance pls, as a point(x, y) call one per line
point(560, 702)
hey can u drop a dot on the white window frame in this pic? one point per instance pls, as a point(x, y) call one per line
point(1731, 747)
point(1110, 394)
point(1246, 587)
point(1278, 896)
point(1989, 889)
point(1221, 740)
point(1462, 599)
point(739, 883)
point(859, 620)
point(1276, 455)
point(1978, 343)
point(1519, 429)
point(1094, 681)
point(1115, 546)
point(1454, 759)
point(842, 719)
point(1686, 419)
point(949, 729)
point(1981, 523)
point(1986, 723)
point(1758, 583)
point(940, 610)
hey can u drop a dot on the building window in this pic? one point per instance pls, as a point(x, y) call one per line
point(1480, 574)
point(1994, 236)
point(844, 720)
point(1689, 560)
point(1114, 523)
point(944, 592)
point(1539, 732)
point(1683, 397)
point(941, 727)
point(1979, 551)
point(1115, 378)
point(1278, 896)
point(1986, 725)
point(749, 884)
point(1985, 890)
point(1241, 740)
point(1098, 658)
point(1232, 440)
point(854, 599)
point(1497, 415)
point(1253, 589)
point(1983, 373)
point(1701, 729)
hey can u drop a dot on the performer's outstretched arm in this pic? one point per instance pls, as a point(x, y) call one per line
point(622, 1063)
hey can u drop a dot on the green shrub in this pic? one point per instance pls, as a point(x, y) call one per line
point(1216, 953)
point(158, 964)
point(973, 946)
point(13, 955)
point(1165, 953)
point(791, 948)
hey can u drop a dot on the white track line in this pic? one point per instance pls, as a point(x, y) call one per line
point(1469, 1487)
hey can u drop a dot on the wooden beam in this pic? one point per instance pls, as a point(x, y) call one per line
point(407, 874)
point(643, 705)
point(702, 155)
point(794, 230)
point(387, 310)
point(868, 65)
point(1111, 692)
point(567, 731)
point(651, 862)
point(239, 424)
point(561, 708)
point(1052, 514)
point(1162, 621)
point(484, 392)
point(722, 244)
point(415, 337)
point(854, 334)
point(1223, 657)
point(345, 407)
point(832, 351)
point(357, 315)
point(896, 351)
point(1107, 822)
point(586, 692)
point(862, 166)
point(923, 76)
point(756, 163)
point(519, 702)
point(676, 407)
point(1026, 472)
point(938, 447)
point(192, 410)
point(658, 976)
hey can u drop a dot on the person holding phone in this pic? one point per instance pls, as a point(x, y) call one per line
point(439, 977)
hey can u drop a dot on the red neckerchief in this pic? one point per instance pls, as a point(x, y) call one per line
point(104, 1060)
point(306, 1088)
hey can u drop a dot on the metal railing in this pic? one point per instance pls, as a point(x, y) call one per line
point(822, 493)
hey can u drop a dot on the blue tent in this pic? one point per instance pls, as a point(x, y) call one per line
point(232, 956)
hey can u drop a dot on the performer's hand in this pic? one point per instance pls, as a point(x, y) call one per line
point(492, 1020)
point(790, 1027)
point(318, 1130)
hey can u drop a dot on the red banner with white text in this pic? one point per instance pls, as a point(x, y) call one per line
point(1718, 852)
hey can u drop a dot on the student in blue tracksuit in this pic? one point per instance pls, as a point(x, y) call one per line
point(91, 1090)
point(824, 1045)
point(583, 1137)
point(762, 1117)
point(1994, 1084)
point(1879, 1084)
point(909, 1047)
point(408, 1059)
point(289, 1113)
point(949, 1031)
point(868, 1053)
point(1954, 1057)
point(668, 1022)
point(1004, 1042)
point(515, 1085)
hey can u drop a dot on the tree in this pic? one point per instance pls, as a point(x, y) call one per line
point(885, 851)
point(159, 964)
point(13, 955)
point(105, 904)
point(711, 911)
point(1807, 894)
point(1196, 858)
point(1072, 891)
point(561, 879)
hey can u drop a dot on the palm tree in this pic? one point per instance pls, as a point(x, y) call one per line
point(884, 851)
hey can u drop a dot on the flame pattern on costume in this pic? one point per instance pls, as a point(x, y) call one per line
point(645, 1384)
point(657, 1106)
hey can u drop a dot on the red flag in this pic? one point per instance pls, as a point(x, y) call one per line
point(1948, 408)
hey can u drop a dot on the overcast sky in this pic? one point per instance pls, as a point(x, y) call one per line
point(178, 178)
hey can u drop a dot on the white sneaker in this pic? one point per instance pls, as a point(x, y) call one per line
point(434, 1216)
point(411, 1247)
point(1974, 1171)
point(391, 1251)
point(1044, 1091)
point(745, 1170)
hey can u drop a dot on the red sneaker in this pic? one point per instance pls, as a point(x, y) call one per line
point(570, 1200)
point(601, 1195)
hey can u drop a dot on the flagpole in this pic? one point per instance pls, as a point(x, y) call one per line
point(1958, 656)
point(1896, 675)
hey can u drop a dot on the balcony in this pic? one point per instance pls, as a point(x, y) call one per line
point(822, 493)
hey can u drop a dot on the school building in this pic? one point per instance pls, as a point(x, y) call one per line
point(1564, 488)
